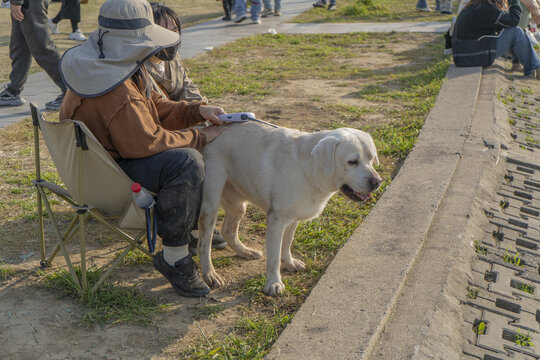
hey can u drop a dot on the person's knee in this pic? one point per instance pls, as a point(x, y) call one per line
point(185, 166)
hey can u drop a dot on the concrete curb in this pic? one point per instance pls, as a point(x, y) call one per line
point(429, 202)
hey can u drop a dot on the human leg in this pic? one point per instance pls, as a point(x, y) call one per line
point(255, 10)
point(21, 58)
point(446, 6)
point(240, 11)
point(422, 5)
point(177, 176)
point(515, 41)
point(34, 28)
point(332, 5)
point(227, 10)
point(267, 8)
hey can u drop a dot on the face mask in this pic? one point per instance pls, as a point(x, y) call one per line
point(168, 54)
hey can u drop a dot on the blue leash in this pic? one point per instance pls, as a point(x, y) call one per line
point(151, 233)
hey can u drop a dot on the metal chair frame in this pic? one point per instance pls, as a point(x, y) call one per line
point(82, 213)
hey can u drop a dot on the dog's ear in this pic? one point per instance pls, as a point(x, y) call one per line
point(324, 153)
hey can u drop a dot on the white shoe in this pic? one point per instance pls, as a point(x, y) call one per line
point(54, 27)
point(256, 21)
point(77, 35)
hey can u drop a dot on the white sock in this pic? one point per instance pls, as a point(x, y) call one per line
point(172, 254)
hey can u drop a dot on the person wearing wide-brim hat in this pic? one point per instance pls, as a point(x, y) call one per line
point(150, 137)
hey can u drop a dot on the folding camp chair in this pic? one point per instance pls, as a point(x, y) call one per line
point(95, 187)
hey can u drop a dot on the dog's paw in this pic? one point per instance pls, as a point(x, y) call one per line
point(249, 253)
point(213, 280)
point(274, 289)
point(294, 265)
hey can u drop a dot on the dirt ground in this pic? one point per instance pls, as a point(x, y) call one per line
point(37, 323)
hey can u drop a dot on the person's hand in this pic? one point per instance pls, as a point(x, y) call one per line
point(211, 113)
point(17, 13)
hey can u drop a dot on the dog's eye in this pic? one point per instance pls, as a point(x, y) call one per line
point(353, 162)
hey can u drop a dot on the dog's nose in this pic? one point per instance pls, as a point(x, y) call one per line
point(375, 182)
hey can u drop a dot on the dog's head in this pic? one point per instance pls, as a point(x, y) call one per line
point(347, 155)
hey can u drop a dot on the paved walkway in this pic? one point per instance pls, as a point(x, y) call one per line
point(199, 38)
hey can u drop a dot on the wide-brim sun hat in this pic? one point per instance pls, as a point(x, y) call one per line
point(126, 37)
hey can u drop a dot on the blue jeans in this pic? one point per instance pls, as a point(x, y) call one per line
point(519, 45)
point(240, 8)
point(268, 5)
point(421, 4)
point(177, 176)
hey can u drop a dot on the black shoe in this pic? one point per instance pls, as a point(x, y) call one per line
point(55, 104)
point(183, 276)
point(218, 243)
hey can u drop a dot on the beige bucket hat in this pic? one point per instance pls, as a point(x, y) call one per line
point(125, 39)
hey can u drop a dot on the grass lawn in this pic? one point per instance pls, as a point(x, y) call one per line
point(382, 83)
point(372, 11)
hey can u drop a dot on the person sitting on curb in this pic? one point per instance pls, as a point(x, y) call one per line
point(150, 137)
point(529, 12)
point(488, 19)
point(173, 83)
point(31, 37)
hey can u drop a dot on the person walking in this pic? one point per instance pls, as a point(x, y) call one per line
point(240, 9)
point(268, 11)
point(31, 37)
point(71, 9)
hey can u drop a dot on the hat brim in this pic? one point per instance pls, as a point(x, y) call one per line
point(90, 71)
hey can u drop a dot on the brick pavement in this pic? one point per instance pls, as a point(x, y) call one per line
point(505, 293)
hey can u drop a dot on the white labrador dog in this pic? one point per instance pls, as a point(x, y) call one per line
point(289, 174)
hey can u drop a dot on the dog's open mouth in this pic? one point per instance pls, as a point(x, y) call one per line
point(353, 195)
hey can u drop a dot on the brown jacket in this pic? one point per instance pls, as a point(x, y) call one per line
point(131, 126)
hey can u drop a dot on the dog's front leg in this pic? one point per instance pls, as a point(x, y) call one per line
point(207, 222)
point(274, 238)
point(287, 261)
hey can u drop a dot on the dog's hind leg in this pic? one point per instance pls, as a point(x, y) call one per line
point(235, 208)
point(275, 230)
point(287, 261)
point(213, 187)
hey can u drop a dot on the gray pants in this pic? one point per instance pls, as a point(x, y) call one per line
point(32, 38)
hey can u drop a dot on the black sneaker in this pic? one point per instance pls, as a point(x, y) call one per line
point(55, 104)
point(7, 98)
point(218, 243)
point(183, 276)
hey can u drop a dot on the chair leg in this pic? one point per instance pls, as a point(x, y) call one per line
point(41, 229)
point(60, 240)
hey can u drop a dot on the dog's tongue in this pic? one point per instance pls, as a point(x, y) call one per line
point(362, 197)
